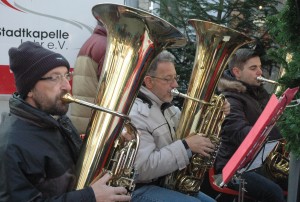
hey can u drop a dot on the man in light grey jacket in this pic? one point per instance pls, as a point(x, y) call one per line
point(156, 118)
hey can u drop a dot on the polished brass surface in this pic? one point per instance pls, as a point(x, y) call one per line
point(134, 38)
point(215, 44)
point(277, 163)
point(68, 98)
point(175, 92)
point(262, 79)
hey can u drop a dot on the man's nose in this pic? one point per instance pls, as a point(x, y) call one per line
point(174, 84)
point(259, 72)
point(65, 84)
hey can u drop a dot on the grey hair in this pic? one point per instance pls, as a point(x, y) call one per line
point(164, 56)
point(240, 57)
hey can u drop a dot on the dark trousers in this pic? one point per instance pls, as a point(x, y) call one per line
point(259, 187)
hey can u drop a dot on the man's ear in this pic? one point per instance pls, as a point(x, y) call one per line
point(148, 82)
point(236, 72)
point(29, 96)
point(30, 93)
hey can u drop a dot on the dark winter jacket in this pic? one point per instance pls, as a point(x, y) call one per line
point(38, 155)
point(246, 105)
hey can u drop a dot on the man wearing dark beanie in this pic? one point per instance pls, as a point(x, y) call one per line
point(30, 62)
point(39, 145)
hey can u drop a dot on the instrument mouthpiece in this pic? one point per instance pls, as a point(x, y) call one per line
point(67, 98)
point(175, 92)
point(262, 79)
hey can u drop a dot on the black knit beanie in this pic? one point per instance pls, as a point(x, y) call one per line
point(29, 62)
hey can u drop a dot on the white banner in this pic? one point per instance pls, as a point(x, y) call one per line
point(59, 25)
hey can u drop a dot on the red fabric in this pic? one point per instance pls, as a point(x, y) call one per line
point(95, 47)
point(7, 81)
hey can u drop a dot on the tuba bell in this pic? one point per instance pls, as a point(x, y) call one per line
point(215, 44)
point(134, 38)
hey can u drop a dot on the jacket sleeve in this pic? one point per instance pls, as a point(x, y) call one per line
point(236, 126)
point(156, 157)
point(15, 186)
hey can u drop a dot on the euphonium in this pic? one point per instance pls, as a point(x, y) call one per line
point(215, 44)
point(124, 151)
point(277, 163)
point(134, 38)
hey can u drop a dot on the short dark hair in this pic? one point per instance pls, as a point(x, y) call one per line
point(239, 58)
point(164, 56)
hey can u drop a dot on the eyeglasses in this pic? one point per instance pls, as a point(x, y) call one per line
point(58, 78)
point(168, 79)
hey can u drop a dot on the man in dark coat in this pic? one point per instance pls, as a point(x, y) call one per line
point(39, 145)
point(247, 99)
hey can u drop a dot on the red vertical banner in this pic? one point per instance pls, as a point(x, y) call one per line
point(7, 81)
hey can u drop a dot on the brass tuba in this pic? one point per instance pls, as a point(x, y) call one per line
point(215, 44)
point(124, 151)
point(134, 38)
